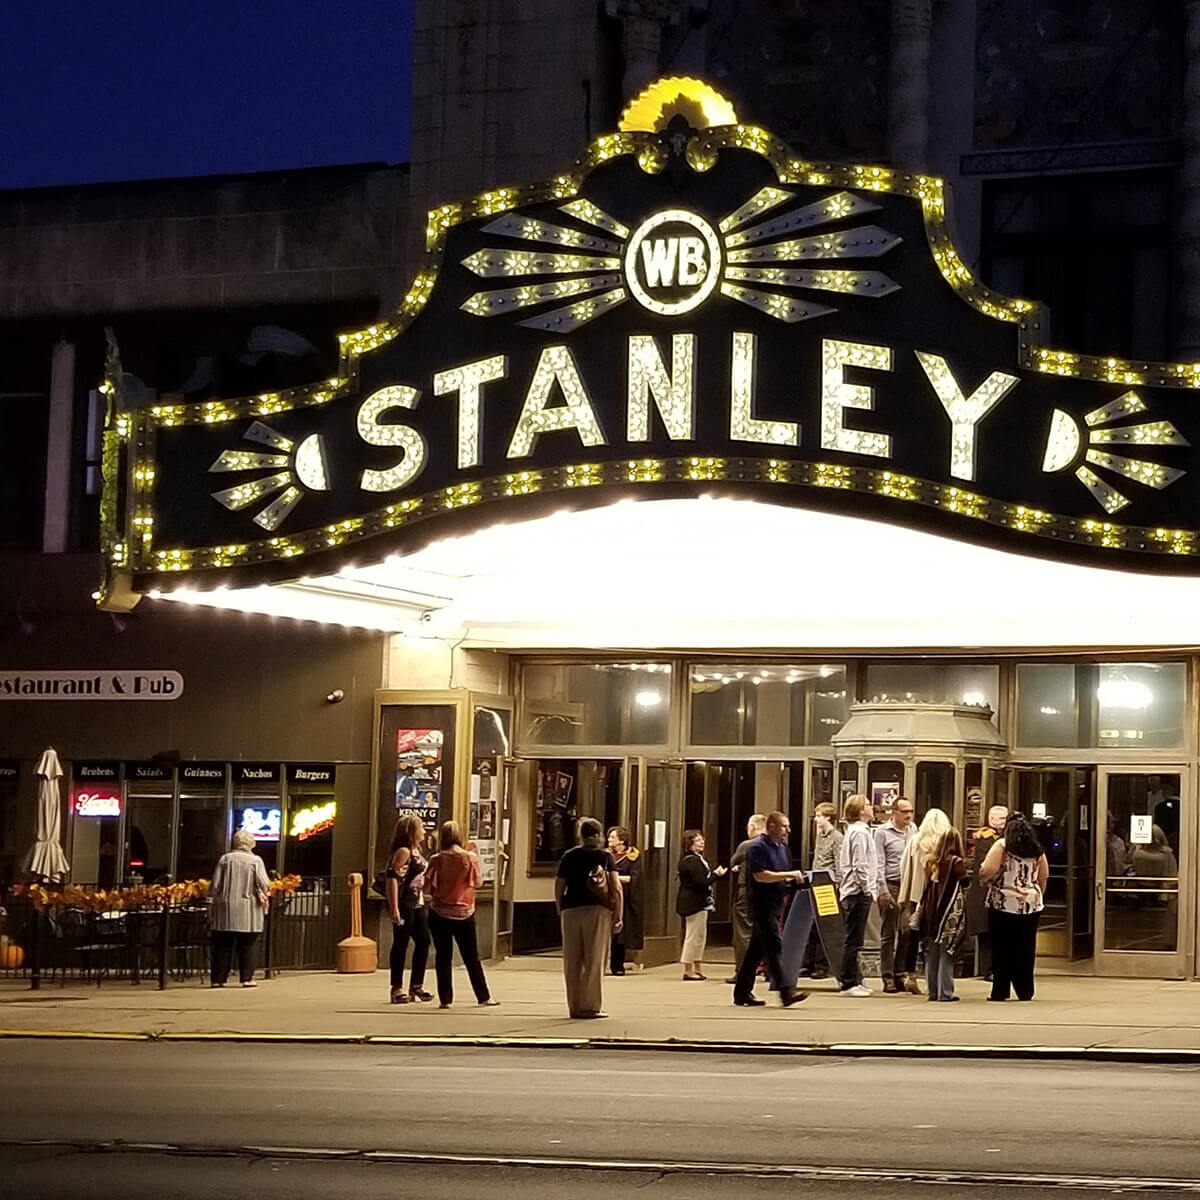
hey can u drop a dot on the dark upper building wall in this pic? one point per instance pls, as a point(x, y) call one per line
point(293, 237)
point(254, 688)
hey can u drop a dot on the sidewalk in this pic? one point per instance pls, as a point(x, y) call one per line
point(1072, 1016)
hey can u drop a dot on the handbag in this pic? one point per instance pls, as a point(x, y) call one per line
point(379, 883)
point(598, 885)
point(954, 924)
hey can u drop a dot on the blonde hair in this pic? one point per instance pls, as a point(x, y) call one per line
point(934, 826)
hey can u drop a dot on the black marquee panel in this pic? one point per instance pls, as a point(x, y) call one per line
point(686, 312)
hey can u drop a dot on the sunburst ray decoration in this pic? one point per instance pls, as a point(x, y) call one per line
point(306, 467)
point(1067, 439)
point(756, 244)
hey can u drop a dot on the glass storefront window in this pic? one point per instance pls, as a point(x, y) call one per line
point(201, 834)
point(148, 827)
point(596, 704)
point(773, 704)
point(1101, 705)
point(935, 788)
point(935, 683)
point(569, 789)
point(885, 782)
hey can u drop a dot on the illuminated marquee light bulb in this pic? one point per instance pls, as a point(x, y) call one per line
point(1123, 406)
point(1151, 474)
point(555, 366)
point(857, 283)
point(867, 242)
point(504, 300)
point(311, 468)
point(674, 393)
point(1153, 433)
point(405, 437)
point(586, 211)
point(572, 316)
point(492, 264)
point(245, 460)
point(743, 425)
point(1062, 443)
point(529, 229)
point(258, 432)
point(468, 382)
point(965, 412)
point(245, 494)
point(761, 203)
point(782, 308)
point(838, 395)
point(274, 514)
point(833, 208)
point(1106, 496)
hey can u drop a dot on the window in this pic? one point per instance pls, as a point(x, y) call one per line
point(935, 683)
point(776, 704)
point(1099, 705)
point(22, 470)
point(596, 704)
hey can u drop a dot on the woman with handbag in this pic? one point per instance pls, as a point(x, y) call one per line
point(918, 854)
point(943, 919)
point(406, 903)
point(587, 894)
point(694, 902)
point(451, 878)
point(1016, 871)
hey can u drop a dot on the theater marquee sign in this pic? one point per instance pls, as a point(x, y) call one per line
point(692, 309)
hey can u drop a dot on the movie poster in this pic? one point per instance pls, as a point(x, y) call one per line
point(419, 774)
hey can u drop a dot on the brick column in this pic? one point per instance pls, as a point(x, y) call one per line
point(56, 521)
point(642, 24)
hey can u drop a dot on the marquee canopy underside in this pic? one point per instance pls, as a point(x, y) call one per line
point(726, 574)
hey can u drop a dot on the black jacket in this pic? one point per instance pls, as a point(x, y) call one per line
point(695, 885)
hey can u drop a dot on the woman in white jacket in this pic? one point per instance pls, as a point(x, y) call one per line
point(917, 855)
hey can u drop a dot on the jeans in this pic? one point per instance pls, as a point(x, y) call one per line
point(446, 931)
point(416, 930)
point(939, 971)
point(764, 946)
point(1014, 947)
point(855, 911)
point(224, 943)
point(893, 939)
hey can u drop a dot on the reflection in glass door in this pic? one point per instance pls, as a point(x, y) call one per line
point(1059, 802)
point(1138, 895)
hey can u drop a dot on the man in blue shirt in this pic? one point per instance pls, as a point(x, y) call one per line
point(769, 875)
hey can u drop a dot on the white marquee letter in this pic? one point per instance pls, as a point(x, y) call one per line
point(838, 395)
point(674, 394)
point(965, 412)
point(744, 426)
point(468, 382)
point(556, 365)
point(374, 433)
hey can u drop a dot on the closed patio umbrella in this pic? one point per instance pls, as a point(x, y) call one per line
point(46, 859)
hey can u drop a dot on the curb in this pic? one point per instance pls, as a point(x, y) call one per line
point(1113, 1054)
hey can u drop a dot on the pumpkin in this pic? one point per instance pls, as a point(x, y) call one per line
point(11, 955)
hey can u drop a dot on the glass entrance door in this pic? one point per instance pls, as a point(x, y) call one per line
point(660, 825)
point(1061, 805)
point(1138, 866)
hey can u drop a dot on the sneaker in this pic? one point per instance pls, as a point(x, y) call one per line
point(489, 1003)
point(858, 990)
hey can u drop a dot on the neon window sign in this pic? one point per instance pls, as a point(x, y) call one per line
point(262, 824)
point(97, 804)
point(314, 819)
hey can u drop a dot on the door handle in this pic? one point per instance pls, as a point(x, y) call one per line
point(1099, 889)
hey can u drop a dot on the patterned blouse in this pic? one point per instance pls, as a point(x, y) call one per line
point(1015, 888)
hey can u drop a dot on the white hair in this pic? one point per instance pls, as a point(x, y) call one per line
point(242, 840)
point(934, 826)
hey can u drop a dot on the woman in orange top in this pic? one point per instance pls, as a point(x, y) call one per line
point(450, 882)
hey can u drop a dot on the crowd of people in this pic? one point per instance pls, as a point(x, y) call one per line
point(931, 894)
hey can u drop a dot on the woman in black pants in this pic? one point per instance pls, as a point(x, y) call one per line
point(406, 903)
point(1015, 871)
point(450, 884)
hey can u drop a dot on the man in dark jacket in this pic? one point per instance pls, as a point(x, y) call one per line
point(741, 914)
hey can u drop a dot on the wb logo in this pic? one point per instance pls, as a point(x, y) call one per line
point(673, 262)
point(670, 260)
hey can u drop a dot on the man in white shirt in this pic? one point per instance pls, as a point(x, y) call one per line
point(858, 889)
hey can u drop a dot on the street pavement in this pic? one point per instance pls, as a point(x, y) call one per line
point(1150, 1017)
point(430, 1121)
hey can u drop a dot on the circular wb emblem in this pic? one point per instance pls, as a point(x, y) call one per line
point(673, 262)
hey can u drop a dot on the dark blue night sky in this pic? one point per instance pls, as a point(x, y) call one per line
point(102, 90)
